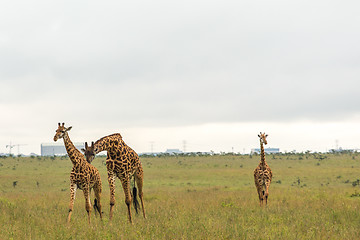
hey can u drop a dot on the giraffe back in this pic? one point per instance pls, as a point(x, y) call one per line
point(122, 159)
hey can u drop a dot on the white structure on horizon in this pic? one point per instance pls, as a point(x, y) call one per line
point(57, 149)
point(173, 151)
point(267, 150)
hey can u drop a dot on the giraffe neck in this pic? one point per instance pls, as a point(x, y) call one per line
point(262, 154)
point(108, 142)
point(74, 154)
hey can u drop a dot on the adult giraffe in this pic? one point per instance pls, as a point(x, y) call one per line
point(262, 173)
point(122, 162)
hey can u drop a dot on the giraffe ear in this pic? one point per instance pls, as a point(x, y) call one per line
point(266, 135)
point(83, 150)
point(258, 135)
point(69, 128)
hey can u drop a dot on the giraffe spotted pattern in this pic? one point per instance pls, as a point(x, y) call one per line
point(122, 162)
point(83, 176)
point(262, 173)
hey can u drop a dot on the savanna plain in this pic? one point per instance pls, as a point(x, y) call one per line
point(312, 196)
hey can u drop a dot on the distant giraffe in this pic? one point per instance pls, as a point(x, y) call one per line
point(263, 173)
point(83, 175)
point(124, 163)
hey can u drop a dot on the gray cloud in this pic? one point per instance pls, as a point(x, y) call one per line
point(191, 62)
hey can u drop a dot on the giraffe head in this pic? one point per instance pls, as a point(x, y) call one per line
point(60, 132)
point(263, 137)
point(89, 152)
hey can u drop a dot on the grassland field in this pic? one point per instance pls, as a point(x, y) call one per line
point(312, 196)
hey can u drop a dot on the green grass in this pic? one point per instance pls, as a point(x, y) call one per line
point(208, 197)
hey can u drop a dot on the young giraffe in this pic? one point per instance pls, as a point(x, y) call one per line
point(263, 173)
point(124, 163)
point(83, 175)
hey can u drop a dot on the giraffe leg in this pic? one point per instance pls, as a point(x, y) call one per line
point(73, 188)
point(87, 201)
point(139, 182)
point(126, 187)
point(258, 183)
point(111, 180)
point(267, 192)
point(259, 194)
point(97, 203)
point(259, 190)
point(260, 197)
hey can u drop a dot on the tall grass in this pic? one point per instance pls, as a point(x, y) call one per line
point(208, 197)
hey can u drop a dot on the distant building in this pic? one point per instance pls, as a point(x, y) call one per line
point(173, 151)
point(57, 149)
point(267, 150)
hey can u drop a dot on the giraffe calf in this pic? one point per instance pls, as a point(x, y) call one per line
point(83, 175)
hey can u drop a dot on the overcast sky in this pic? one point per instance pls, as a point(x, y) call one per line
point(211, 73)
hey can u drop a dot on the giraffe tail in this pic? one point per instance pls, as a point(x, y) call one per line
point(96, 206)
point(135, 201)
point(263, 188)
